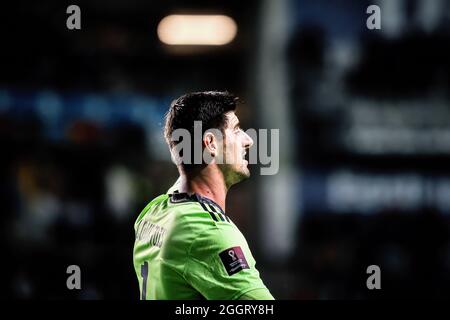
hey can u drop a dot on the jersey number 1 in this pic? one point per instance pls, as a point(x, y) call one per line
point(144, 275)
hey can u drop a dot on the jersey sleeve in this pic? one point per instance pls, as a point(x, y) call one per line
point(257, 294)
point(220, 265)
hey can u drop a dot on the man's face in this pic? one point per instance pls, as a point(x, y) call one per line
point(235, 145)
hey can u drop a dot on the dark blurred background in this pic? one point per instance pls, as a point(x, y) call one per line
point(364, 120)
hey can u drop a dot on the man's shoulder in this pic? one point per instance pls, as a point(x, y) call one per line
point(199, 210)
point(151, 205)
point(193, 210)
point(184, 209)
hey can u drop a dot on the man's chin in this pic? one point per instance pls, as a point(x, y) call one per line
point(244, 173)
point(236, 174)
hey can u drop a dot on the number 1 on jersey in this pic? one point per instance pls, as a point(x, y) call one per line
point(144, 275)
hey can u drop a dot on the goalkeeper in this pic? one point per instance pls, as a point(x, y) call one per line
point(186, 246)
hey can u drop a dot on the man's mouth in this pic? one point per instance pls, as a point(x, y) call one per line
point(243, 158)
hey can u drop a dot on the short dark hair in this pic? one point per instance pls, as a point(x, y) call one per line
point(209, 107)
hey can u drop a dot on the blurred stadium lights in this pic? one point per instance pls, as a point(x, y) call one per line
point(212, 30)
point(394, 18)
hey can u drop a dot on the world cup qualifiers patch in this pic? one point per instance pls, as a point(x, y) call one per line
point(234, 260)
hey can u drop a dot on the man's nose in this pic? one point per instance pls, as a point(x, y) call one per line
point(248, 142)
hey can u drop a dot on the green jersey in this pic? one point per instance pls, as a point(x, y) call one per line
point(187, 248)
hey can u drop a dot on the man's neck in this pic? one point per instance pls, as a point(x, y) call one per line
point(208, 183)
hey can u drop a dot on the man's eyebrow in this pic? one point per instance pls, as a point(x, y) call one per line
point(237, 125)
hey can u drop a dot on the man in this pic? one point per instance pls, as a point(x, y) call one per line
point(186, 246)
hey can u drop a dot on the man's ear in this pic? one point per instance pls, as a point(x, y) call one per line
point(210, 143)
